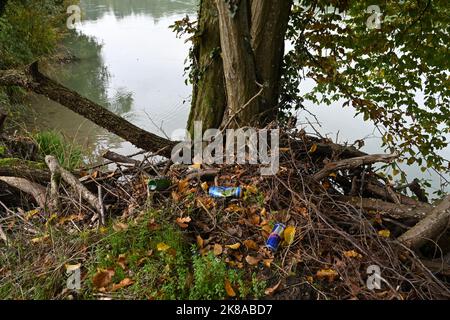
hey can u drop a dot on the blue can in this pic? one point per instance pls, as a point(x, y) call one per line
point(225, 192)
point(274, 239)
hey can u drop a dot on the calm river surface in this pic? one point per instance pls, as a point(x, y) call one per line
point(132, 63)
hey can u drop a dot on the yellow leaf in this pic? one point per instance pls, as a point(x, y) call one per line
point(352, 254)
point(218, 249)
point(229, 289)
point(251, 189)
point(31, 214)
point(384, 233)
point(234, 246)
point(267, 262)
point(313, 148)
point(40, 239)
point(205, 186)
point(196, 166)
point(330, 274)
point(289, 235)
point(162, 246)
point(200, 242)
point(183, 185)
point(72, 267)
point(250, 244)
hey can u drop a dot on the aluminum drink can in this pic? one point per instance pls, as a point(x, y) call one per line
point(225, 192)
point(274, 239)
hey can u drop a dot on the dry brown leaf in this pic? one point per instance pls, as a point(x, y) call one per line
point(183, 185)
point(175, 196)
point(122, 284)
point(330, 274)
point(352, 254)
point(200, 242)
point(183, 222)
point(234, 246)
point(120, 226)
point(102, 278)
point(255, 219)
point(218, 249)
point(267, 262)
point(205, 186)
point(271, 291)
point(152, 225)
point(253, 261)
point(229, 289)
point(250, 244)
point(122, 261)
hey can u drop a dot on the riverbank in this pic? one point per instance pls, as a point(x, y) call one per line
point(112, 238)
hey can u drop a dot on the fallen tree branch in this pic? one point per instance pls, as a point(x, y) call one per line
point(36, 190)
point(353, 163)
point(397, 211)
point(428, 228)
point(381, 191)
point(34, 80)
point(435, 266)
point(118, 158)
point(75, 184)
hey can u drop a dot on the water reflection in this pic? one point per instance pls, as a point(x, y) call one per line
point(97, 9)
point(130, 62)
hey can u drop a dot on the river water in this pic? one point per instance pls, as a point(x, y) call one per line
point(132, 63)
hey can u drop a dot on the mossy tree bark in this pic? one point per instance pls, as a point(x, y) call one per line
point(208, 97)
point(250, 35)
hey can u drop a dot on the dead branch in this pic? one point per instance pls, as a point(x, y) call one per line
point(69, 178)
point(353, 163)
point(437, 266)
point(34, 189)
point(428, 228)
point(118, 158)
point(383, 192)
point(397, 211)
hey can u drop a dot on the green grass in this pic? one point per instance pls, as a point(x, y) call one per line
point(69, 155)
point(37, 270)
point(176, 273)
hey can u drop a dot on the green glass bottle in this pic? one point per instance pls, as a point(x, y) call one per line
point(159, 184)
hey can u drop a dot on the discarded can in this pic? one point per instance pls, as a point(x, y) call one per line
point(159, 184)
point(274, 239)
point(225, 192)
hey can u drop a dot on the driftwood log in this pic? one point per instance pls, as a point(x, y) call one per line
point(353, 163)
point(118, 158)
point(76, 185)
point(36, 190)
point(429, 227)
point(394, 210)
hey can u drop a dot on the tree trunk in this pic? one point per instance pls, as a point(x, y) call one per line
point(238, 63)
point(208, 97)
point(252, 35)
point(268, 29)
